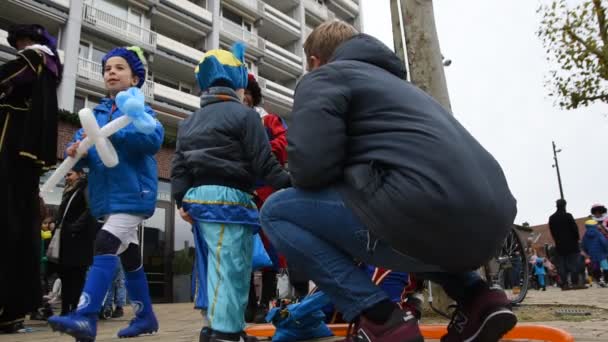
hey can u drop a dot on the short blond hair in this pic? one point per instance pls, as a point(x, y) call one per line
point(323, 40)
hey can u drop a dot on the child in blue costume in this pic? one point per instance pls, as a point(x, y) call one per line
point(123, 196)
point(222, 149)
point(540, 272)
point(595, 246)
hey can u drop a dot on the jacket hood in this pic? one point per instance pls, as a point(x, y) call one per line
point(365, 48)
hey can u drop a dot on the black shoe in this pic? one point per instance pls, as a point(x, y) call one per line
point(37, 316)
point(217, 336)
point(12, 327)
point(260, 314)
point(118, 312)
point(205, 335)
point(105, 313)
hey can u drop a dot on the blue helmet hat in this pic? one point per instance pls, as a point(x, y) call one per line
point(134, 56)
point(223, 65)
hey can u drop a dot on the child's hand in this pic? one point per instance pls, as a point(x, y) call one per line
point(73, 149)
point(185, 216)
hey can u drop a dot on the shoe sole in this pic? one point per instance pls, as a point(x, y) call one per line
point(149, 332)
point(73, 333)
point(495, 326)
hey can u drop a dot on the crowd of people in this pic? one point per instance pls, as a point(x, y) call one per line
point(347, 197)
point(580, 260)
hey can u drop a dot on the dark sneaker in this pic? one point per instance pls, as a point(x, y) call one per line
point(402, 326)
point(205, 335)
point(484, 319)
point(105, 313)
point(118, 312)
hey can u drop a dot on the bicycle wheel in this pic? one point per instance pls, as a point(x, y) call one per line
point(509, 268)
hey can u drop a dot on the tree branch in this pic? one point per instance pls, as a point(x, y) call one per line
point(601, 19)
point(603, 97)
point(590, 48)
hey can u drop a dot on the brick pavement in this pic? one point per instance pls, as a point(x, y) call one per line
point(180, 323)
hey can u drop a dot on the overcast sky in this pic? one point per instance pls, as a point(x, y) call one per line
point(496, 90)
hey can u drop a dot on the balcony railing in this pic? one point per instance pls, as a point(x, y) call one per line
point(279, 53)
point(283, 19)
point(317, 9)
point(118, 26)
point(191, 8)
point(176, 96)
point(93, 71)
point(238, 33)
point(276, 92)
point(3, 36)
point(177, 48)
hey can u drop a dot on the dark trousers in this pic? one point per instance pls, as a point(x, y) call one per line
point(569, 264)
point(72, 282)
point(20, 287)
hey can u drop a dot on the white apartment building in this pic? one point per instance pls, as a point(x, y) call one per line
point(174, 35)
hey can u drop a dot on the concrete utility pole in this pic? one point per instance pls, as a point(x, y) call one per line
point(556, 166)
point(414, 22)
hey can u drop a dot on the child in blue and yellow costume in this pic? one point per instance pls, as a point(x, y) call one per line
point(222, 149)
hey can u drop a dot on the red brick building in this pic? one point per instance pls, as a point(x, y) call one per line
point(545, 234)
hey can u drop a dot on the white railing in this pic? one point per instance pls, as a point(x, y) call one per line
point(3, 36)
point(348, 5)
point(276, 92)
point(118, 26)
point(275, 51)
point(176, 96)
point(191, 8)
point(253, 4)
point(316, 8)
point(93, 71)
point(178, 48)
point(238, 33)
point(274, 14)
point(89, 69)
point(65, 4)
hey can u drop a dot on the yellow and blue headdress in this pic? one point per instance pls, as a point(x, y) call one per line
point(134, 56)
point(223, 65)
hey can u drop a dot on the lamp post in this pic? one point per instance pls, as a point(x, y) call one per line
point(556, 166)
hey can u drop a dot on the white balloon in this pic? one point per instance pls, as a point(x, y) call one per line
point(95, 136)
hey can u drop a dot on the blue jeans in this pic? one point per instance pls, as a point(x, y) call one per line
point(321, 236)
point(117, 294)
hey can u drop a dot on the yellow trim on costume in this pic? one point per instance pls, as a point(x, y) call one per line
point(32, 156)
point(11, 107)
point(248, 206)
point(223, 56)
point(14, 75)
point(8, 116)
point(218, 249)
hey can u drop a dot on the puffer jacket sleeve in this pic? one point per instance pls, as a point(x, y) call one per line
point(181, 179)
point(316, 147)
point(137, 142)
point(257, 149)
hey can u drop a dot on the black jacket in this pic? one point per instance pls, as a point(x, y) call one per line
point(408, 169)
point(564, 232)
point(223, 143)
point(78, 229)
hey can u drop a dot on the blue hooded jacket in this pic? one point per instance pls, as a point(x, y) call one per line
point(595, 244)
point(131, 186)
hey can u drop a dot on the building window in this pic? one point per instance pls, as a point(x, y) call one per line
point(88, 51)
point(79, 103)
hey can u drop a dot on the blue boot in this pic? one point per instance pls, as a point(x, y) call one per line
point(82, 324)
point(145, 321)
